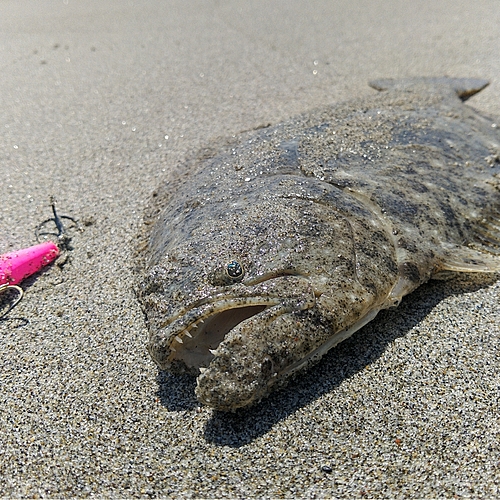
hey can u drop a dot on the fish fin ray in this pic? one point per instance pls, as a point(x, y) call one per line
point(468, 260)
point(487, 234)
point(463, 87)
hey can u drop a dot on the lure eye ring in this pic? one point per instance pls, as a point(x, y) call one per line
point(234, 270)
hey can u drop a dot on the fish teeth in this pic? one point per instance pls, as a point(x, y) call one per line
point(213, 351)
point(179, 339)
point(187, 334)
point(203, 370)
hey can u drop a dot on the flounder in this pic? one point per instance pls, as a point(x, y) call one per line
point(275, 246)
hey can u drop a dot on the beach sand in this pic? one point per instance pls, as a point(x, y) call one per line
point(98, 101)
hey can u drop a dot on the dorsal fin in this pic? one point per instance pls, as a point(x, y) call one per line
point(463, 87)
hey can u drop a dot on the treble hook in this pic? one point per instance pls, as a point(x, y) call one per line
point(18, 289)
point(63, 240)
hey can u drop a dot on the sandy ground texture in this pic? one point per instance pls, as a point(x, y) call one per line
point(98, 100)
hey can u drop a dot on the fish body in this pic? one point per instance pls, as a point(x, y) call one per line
point(276, 245)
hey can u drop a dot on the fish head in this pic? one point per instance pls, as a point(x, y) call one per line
point(245, 292)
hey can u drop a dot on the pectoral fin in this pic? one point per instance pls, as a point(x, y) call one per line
point(469, 260)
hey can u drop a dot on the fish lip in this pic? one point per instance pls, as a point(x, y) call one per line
point(164, 345)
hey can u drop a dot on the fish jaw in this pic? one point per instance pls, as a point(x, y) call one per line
point(253, 359)
point(237, 378)
point(263, 352)
point(246, 365)
point(189, 342)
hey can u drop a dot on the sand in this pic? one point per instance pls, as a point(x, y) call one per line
point(98, 100)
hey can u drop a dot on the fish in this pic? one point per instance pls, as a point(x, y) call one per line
point(269, 248)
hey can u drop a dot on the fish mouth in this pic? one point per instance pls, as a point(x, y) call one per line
point(190, 341)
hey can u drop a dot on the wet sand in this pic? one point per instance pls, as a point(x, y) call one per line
point(97, 103)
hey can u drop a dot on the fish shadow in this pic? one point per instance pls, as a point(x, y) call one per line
point(235, 429)
point(176, 392)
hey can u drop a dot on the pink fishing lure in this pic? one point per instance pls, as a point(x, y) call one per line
point(16, 266)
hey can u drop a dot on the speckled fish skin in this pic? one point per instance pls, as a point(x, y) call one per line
point(279, 243)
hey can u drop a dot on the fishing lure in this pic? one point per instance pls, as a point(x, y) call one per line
point(18, 265)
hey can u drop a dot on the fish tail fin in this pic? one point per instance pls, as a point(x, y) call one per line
point(463, 87)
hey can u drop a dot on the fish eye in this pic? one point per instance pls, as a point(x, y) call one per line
point(234, 270)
